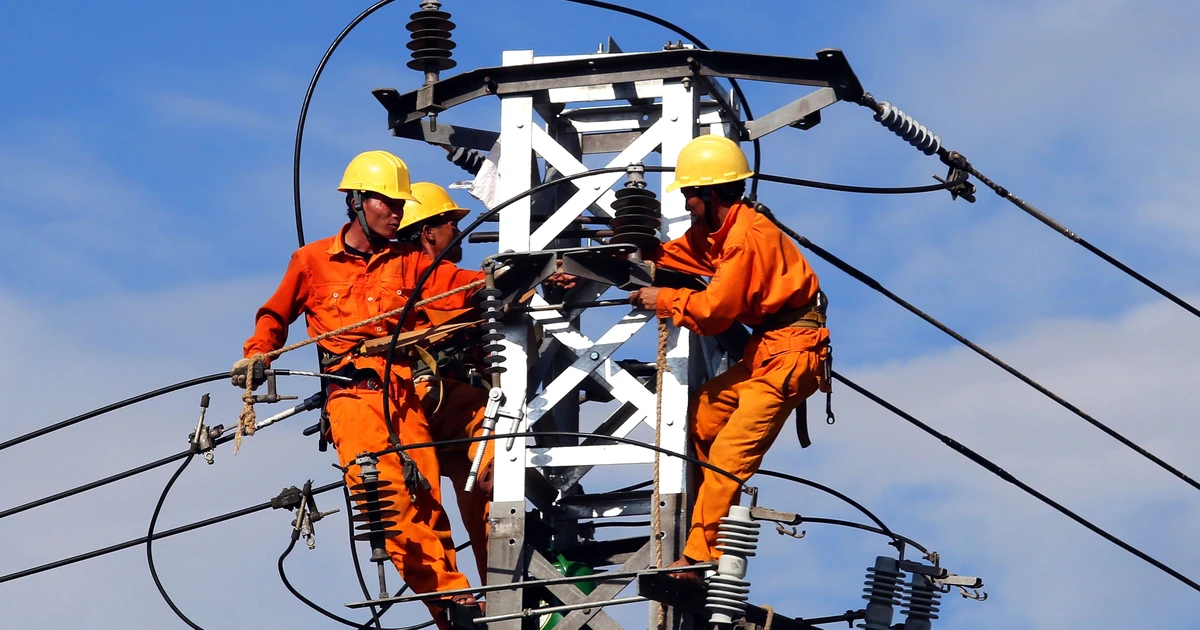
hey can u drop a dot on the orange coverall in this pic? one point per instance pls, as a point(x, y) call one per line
point(335, 288)
point(460, 413)
point(756, 271)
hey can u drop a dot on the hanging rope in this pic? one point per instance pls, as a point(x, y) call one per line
point(247, 417)
point(664, 334)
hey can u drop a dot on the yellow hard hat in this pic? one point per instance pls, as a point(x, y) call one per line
point(430, 200)
point(378, 172)
point(709, 160)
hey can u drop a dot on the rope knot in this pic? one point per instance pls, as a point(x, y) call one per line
point(247, 418)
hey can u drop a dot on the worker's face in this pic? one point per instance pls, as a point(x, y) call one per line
point(694, 204)
point(438, 238)
point(383, 214)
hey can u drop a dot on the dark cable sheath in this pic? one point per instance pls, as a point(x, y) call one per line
point(866, 528)
point(1062, 229)
point(330, 615)
point(827, 490)
point(312, 85)
point(874, 284)
point(95, 484)
point(150, 545)
point(157, 536)
point(866, 190)
point(1005, 475)
point(678, 30)
point(358, 572)
point(113, 407)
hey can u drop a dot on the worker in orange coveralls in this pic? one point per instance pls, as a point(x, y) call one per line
point(758, 278)
point(347, 278)
point(453, 407)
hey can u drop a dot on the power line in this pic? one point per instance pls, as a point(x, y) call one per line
point(113, 407)
point(875, 284)
point(1005, 475)
point(157, 536)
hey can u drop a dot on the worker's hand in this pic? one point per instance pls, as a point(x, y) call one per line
point(487, 477)
point(562, 281)
point(237, 375)
point(646, 297)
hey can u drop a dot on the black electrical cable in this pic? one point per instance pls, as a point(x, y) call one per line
point(637, 486)
point(827, 490)
point(866, 528)
point(874, 284)
point(1062, 229)
point(57, 564)
point(95, 484)
point(358, 572)
point(865, 190)
point(1005, 475)
point(678, 30)
point(330, 615)
point(312, 85)
point(113, 407)
point(957, 160)
point(150, 545)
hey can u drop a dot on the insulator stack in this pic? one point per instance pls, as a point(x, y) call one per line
point(921, 601)
point(910, 130)
point(884, 583)
point(370, 499)
point(493, 311)
point(431, 44)
point(728, 591)
point(637, 217)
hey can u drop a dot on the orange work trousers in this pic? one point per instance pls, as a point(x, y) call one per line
point(735, 419)
point(460, 415)
point(356, 426)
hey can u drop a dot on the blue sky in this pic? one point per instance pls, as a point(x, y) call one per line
point(145, 203)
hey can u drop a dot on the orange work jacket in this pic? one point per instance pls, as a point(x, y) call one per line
point(336, 288)
point(755, 270)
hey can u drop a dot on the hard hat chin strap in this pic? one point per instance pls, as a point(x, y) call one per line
point(706, 196)
point(359, 212)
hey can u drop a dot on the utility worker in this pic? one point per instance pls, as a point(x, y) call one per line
point(454, 408)
point(338, 281)
point(758, 278)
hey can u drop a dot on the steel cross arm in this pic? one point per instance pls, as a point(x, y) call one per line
point(829, 69)
point(690, 598)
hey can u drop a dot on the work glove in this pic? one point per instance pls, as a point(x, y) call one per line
point(237, 375)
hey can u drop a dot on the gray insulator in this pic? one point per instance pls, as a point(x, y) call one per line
point(728, 591)
point(910, 130)
point(468, 160)
point(921, 601)
point(884, 583)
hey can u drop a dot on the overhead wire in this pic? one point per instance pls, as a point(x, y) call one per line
point(99, 411)
point(1006, 476)
point(312, 86)
point(334, 616)
point(862, 277)
point(733, 83)
point(340, 484)
point(150, 545)
point(103, 551)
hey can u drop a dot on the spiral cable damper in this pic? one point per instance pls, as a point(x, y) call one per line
point(430, 40)
point(728, 591)
point(370, 497)
point(884, 583)
point(921, 599)
point(910, 130)
point(637, 214)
